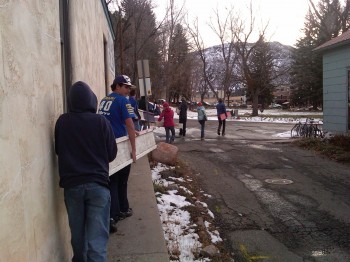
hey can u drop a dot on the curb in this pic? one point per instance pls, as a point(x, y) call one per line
point(140, 237)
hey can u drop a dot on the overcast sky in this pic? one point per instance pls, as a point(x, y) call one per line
point(286, 17)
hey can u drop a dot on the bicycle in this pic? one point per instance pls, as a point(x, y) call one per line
point(307, 129)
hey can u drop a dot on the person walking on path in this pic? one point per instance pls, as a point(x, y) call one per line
point(202, 117)
point(168, 115)
point(118, 110)
point(221, 111)
point(85, 144)
point(183, 116)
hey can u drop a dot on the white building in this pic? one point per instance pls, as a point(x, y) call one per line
point(44, 47)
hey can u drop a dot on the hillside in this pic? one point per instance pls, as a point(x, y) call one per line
point(282, 55)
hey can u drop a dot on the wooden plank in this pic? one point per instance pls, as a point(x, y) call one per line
point(145, 143)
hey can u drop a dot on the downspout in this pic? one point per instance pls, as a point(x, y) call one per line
point(65, 51)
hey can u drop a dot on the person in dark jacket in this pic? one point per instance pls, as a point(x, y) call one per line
point(168, 115)
point(183, 116)
point(142, 103)
point(221, 113)
point(85, 144)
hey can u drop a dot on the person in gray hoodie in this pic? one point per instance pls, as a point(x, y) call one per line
point(85, 144)
point(202, 117)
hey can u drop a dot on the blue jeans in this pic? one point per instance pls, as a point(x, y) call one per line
point(136, 125)
point(88, 214)
point(167, 134)
point(202, 123)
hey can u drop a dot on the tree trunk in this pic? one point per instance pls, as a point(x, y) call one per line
point(255, 104)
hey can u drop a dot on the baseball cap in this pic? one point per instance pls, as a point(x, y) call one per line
point(122, 79)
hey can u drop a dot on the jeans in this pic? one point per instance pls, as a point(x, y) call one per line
point(167, 134)
point(202, 123)
point(88, 214)
point(223, 123)
point(119, 192)
point(137, 125)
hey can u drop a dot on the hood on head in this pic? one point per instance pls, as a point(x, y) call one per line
point(81, 98)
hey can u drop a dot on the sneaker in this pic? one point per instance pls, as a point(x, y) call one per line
point(112, 226)
point(218, 133)
point(126, 214)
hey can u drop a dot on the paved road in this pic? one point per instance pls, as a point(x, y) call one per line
point(273, 201)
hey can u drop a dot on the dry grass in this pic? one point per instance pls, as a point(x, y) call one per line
point(336, 147)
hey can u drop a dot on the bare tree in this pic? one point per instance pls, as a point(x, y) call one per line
point(221, 74)
point(198, 83)
point(174, 16)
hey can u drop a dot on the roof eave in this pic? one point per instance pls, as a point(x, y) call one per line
point(336, 45)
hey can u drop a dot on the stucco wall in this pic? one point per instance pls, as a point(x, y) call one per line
point(33, 220)
point(88, 46)
point(336, 64)
point(33, 224)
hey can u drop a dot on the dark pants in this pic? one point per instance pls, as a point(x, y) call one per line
point(202, 123)
point(88, 215)
point(167, 134)
point(183, 129)
point(221, 123)
point(119, 192)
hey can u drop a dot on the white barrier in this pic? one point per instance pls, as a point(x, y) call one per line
point(145, 143)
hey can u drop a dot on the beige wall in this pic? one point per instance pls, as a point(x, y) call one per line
point(87, 45)
point(33, 220)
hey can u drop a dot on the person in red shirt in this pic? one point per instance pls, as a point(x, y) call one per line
point(168, 115)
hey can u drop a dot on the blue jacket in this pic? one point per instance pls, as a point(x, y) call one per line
point(201, 113)
point(133, 103)
point(84, 140)
point(220, 108)
point(117, 108)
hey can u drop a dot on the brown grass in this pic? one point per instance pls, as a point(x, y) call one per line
point(336, 147)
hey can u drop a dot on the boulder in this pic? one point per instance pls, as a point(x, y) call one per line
point(165, 154)
point(209, 251)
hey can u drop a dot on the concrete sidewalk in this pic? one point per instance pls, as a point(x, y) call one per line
point(139, 237)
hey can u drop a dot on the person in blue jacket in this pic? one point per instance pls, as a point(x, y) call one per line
point(118, 110)
point(221, 109)
point(85, 144)
point(133, 102)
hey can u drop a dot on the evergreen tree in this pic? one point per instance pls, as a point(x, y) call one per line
point(261, 70)
point(136, 39)
point(179, 65)
point(306, 74)
point(323, 22)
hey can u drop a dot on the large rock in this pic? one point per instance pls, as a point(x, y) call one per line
point(165, 153)
point(209, 251)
